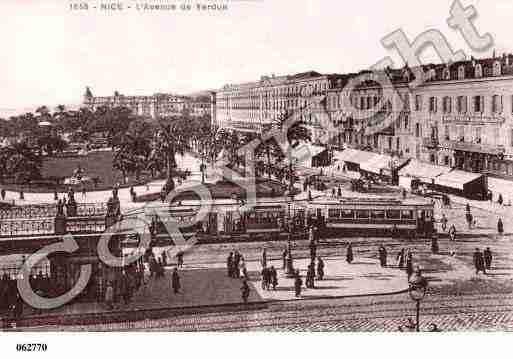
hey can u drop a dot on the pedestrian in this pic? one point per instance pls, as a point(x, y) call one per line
point(236, 264)
point(487, 254)
point(400, 258)
point(479, 261)
point(22, 195)
point(382, 253)
point(313, 246)
point(339, 192)
point(444, 221)
point(452, 232)
point(265, 278)
point(164, 258)
point(469, 219)
point(245, 291)
point(298, 282)
point(264, 258)
point(109, 296)
point(349, 253)
point(284, 258)
point(434, 244)
point(229, 265)
point(500, 200)
point(320, 268)
point(179, 259)
point(500, 227)
point(175, 281)
point(310, 275)
point(333, 192)
point(274, 277)
point(409, 264)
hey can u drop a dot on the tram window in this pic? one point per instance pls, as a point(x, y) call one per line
point(347, 213)
point(333, 212)
point(393, 214)
point(407, 214)
point(362, 214)
point(377, 214)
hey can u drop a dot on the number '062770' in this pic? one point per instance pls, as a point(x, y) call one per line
point(79, 6)
point(39, 347)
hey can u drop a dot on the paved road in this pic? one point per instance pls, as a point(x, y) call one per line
point(450, 313)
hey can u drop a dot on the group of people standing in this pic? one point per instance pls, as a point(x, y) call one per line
point(482, 260)
point(236, 266)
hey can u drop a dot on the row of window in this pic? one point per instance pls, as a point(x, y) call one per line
point(367, 214)
point(477, 104)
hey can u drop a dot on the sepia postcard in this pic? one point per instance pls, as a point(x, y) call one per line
point(263, 166)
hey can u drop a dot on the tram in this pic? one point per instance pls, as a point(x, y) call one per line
point(175, 218)
point(375, 217)
point(264, 219)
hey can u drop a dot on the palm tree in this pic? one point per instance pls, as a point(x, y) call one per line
point(295, 131)
point(132, 153)
point(171, 139)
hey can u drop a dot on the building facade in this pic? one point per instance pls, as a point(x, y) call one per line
point(156, 105)
point(460, 115)
point(250, 107)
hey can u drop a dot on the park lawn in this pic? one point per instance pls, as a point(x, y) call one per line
point(95, 164)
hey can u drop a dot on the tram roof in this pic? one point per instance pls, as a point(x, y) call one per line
point(374, 201)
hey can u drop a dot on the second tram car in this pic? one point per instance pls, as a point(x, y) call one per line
point(376, 217)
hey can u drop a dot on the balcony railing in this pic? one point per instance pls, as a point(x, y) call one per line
point(473, 147)
point(474, 119)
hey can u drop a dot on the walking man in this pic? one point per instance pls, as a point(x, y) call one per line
point(349, 254)
point(500, 227)
point(382, 253)
point(175, 281)
point(452, 232)
point(320, 268)
point(298, 282)
point(229, 265)
point(409, 264)
point(264, 258)
point(479, 261)
point(487, 254)
point(274, 277)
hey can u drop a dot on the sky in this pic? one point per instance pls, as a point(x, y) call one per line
point(51, 53)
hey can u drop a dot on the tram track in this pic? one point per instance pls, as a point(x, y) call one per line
point(303, 313)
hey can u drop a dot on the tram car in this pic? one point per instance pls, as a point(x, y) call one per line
point(264, 219)
point(376, 217)
point(168, 220)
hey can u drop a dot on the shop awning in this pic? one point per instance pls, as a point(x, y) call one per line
point(303, 153)
point(354, 156)
point(422, 171)
point(457, 179)
point(376, 164)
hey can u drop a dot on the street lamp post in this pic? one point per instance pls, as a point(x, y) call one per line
point(417, 290)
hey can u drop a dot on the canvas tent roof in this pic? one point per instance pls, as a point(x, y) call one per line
point(422, 171)
point(456, 179)
point(354, 156)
